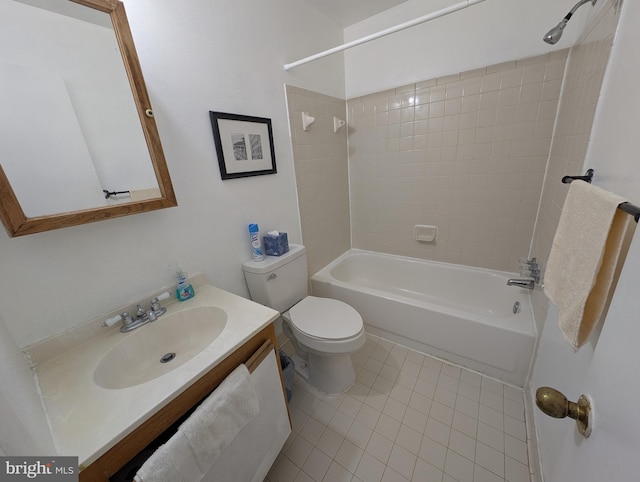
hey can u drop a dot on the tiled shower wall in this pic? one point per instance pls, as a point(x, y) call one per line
point(466, 153)
point(322, 175)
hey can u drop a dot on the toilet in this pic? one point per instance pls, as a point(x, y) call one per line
point(324, 332)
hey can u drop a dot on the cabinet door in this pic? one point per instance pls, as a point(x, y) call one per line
point(256, 447)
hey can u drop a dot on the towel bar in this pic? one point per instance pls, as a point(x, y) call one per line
point(627, 207)
point(586, 178)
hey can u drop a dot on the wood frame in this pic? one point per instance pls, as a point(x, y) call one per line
point(251, 353)
point(11, 214)
point(258, 128)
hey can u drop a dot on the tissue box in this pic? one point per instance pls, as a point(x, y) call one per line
point(275, 245)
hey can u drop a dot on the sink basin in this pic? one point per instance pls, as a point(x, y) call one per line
point(159, 347)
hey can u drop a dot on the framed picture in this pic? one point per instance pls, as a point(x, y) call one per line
point(244, 145)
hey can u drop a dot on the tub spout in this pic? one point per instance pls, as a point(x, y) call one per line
point(521, 283)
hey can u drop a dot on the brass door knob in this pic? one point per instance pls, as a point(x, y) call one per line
point(555, 404)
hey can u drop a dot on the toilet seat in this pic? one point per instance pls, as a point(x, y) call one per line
point(326, 319)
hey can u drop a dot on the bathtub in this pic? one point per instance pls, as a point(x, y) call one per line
point(462, 314)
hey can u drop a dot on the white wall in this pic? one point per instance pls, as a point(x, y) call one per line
point(207, 55)
point(204, 55)
point(24, 425)
point(488, 33)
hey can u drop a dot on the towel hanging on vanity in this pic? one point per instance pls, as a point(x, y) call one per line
point(586, 256)
point(189, 454)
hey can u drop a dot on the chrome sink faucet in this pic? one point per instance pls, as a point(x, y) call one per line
point(141, 317)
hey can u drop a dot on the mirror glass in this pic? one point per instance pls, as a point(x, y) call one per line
point(79, 141)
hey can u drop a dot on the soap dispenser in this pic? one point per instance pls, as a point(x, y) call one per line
point(184, 290)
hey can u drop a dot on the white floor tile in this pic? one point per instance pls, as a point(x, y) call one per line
point(516, 449)
point(408, 417)
point(341, 423)
point(490, 436)
point(490, 459)
point(402, 461)
point(329, 442)
point(409, 439)
point(380, 447)
point(370, 469)
point(368, 416)
point(465, 424)
point(283, 471)
point(515, 428)
point(387, 426)
point(302, 477)
point(425, 472)
point(415, 419)
point(350, 406)
point(349, 455)
point(438, 431)
point(359, 434)
point(312, 430)
point(337, 473)
point(459, 467)
point(433, 452)
point(317, 464)
point(515, 471)
point(391, 475)
point(298, 451)
point(441, 413)
point(462, 444)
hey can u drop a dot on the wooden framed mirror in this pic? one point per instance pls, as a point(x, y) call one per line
point(15, 211)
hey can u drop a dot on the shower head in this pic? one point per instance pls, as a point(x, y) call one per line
point(553, 35)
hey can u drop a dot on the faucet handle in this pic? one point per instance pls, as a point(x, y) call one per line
point(162, 296)
point(155, 303)
point(126, 318)
point(112, 321)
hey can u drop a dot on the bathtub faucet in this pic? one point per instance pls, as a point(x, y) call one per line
point(522, 283)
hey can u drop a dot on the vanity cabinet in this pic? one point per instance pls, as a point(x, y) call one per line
point(261, 347)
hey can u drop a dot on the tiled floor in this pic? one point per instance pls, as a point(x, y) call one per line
point(409, 417)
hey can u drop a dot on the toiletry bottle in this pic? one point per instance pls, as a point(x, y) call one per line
point(184, 290)
point(256, 244)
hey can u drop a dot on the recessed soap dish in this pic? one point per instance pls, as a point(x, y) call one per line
point(425, 233)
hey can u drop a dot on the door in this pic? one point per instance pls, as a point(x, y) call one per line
point(612, 452)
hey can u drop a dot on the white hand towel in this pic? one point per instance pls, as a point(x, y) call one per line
point(585, 255)
point(201, 438)
point(173, 461)
point(217, 421)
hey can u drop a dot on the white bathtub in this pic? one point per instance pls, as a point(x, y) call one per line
point(458, 313)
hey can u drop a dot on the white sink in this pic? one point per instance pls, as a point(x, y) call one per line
point(159, 347)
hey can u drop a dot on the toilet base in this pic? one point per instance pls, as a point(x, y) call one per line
point(301, 367)
point(331, 374)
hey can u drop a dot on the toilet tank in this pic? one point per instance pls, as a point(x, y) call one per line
point(278, 282)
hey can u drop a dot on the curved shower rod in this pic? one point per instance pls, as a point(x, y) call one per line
point(385, 32)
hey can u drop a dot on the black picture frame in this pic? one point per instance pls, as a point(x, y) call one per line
point(244, 145)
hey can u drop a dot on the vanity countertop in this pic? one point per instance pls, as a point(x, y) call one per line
point(86, 419)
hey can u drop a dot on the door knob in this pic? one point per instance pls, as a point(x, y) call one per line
point(555, 404)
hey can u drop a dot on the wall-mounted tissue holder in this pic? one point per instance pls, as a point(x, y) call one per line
point(425, 233)
point(307, 120)
point(337, 124)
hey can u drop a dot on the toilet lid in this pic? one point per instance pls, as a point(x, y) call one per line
point(326, 318)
